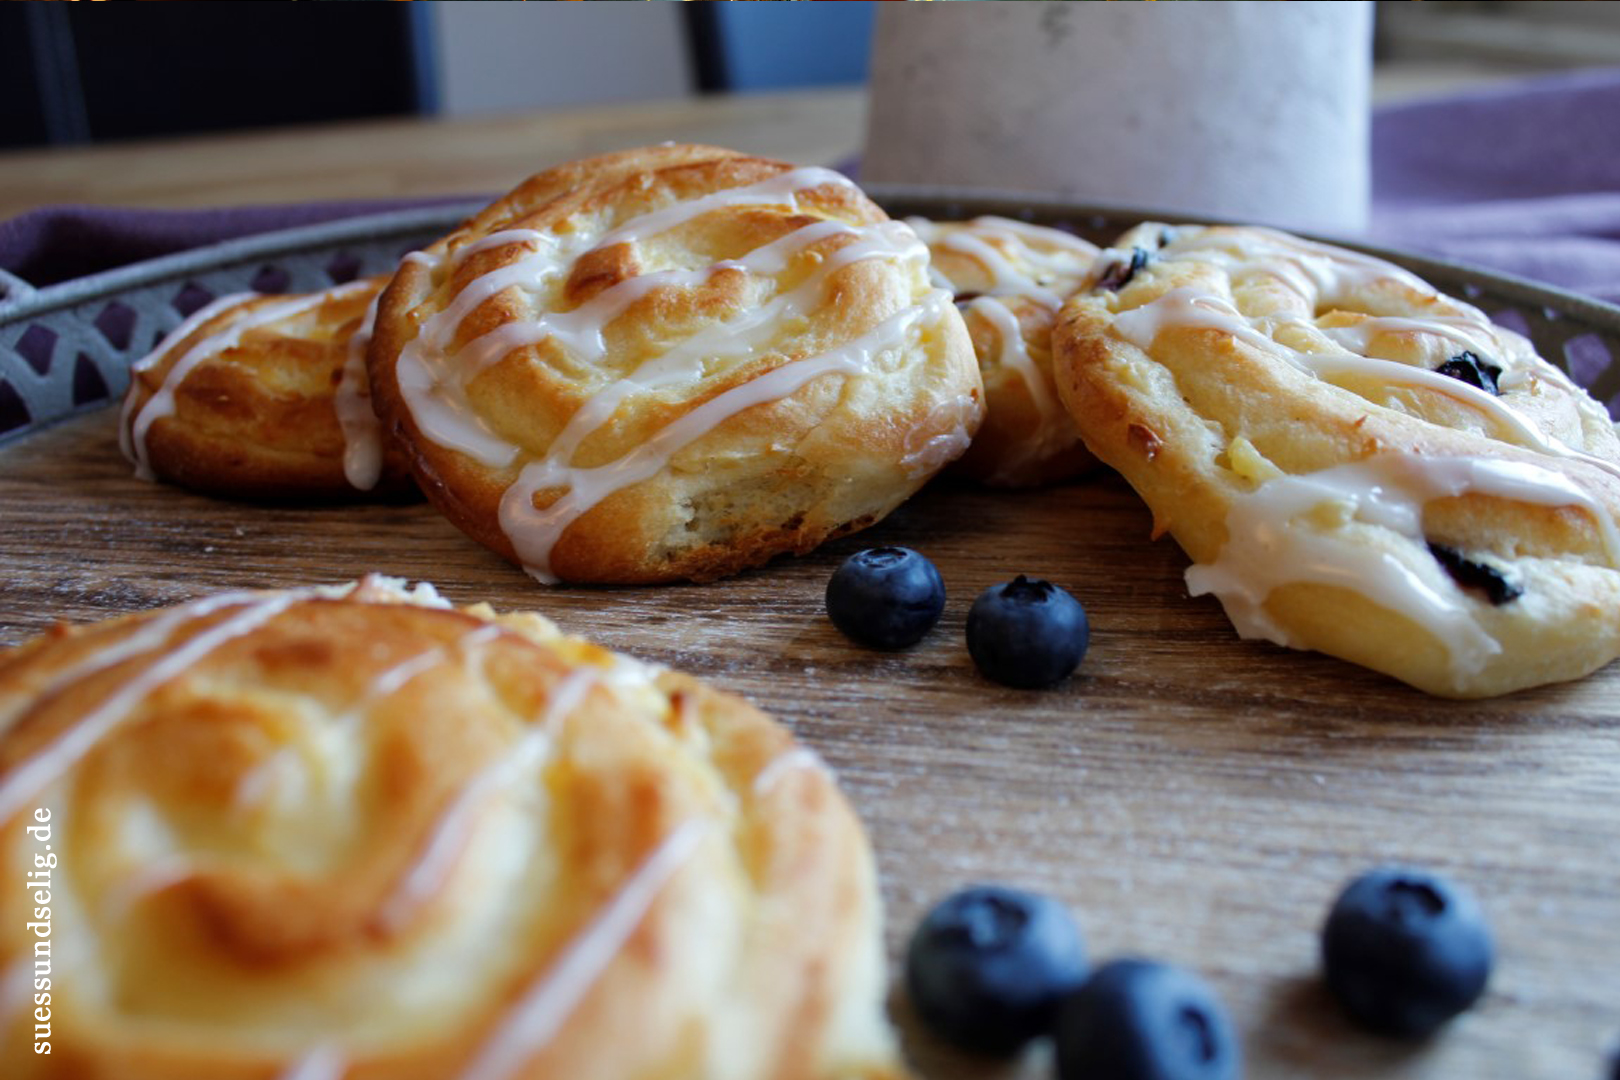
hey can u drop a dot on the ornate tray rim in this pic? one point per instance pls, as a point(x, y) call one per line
point(1553, 316)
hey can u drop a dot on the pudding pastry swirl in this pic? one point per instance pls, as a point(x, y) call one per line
point(264, 396)
point(1009, 278)
point(1355, 462)
point(355, 833)
point(672, 363)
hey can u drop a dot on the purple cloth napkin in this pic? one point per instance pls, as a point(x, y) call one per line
point(1522, 178)
point(59, 243)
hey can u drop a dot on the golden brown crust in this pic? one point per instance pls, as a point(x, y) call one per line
point(245, 402)
point(401, 840)
point(1010, 278)
point(721, 339)
point(1259, 392)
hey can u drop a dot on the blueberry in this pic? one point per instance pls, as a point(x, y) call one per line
point(1120, 272)
point(1497, 586)
point(1145, 1020)
point(1469, 368)
point(1027, 633)
point(987, 967)
point(886, 597)
point(1404, 950)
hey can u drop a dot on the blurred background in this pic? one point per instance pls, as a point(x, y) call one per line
point(75, 74)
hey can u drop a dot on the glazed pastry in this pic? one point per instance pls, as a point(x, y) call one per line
point(1009, 278)
point(1354, 462)
point(260, 396)
point(356, 833)
point(672, 363)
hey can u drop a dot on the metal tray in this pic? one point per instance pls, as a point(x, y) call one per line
point(67, 349)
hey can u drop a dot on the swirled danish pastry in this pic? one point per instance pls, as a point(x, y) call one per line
point(672, 363)
point(355, 832)
point(261, 396)
point(1354, 462)
point(1009, 279)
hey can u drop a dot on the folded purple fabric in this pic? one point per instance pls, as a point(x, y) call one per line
point(59, 243)
point(1522, 178)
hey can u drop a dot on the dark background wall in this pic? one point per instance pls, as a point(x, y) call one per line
point(91, 73)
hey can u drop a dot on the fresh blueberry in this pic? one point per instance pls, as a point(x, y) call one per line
point(1469, 368)
point(886, 597)
point(1120, 272)
point(1499, 588)
point(987, 967)
point(1027, 633)
point(1405, 950)
point(1145, 1020)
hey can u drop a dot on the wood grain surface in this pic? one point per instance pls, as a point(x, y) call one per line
point(1193, 797)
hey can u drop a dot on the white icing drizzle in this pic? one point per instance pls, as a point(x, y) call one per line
point(187, 327)
point(547, 1003)
point(928, 456)
point(999, 246)
point(782, 188)
point(1035, 237)
point(156, 630)
point(447, 839)
point(1271, 542)
point(625, 673)
point(1005, 278)
point(580, 331)
point(362, 432)
point(1464, 331)
point(1190, 307)
point(16, 986)
point(789, 761)
point(151, 634)
point(1014, 356)
point(1305, 266)
point(259, 783)
point(161, 403)
point(321, 1063)
point(153, 876)
point(434, 378)
point(38, 771)
point(973, 240)
point(447, 836)
point(534, 532)
point(436, 392)
point(494, 240)
point(1511, 353)
point(391, 681)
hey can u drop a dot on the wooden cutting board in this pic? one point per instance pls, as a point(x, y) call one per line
point(1192, 796)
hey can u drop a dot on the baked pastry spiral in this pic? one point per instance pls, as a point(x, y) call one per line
point(1009, 278)
point(672, 363)
point(1354, 462)
point(261, 396)
point(356, 833)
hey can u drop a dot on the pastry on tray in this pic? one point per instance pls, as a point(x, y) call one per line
point(672, 363)
point(355, 832)
point(1354, 462)
point(1010, 278)
point(264, 396)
